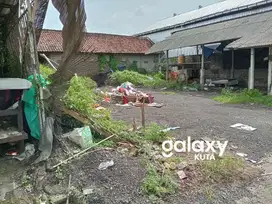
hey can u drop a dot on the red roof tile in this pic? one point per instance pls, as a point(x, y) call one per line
point(51, 41)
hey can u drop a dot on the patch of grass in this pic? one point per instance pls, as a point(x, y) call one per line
point(174, 85)
point(225, 169)
point(209, 193)
point(136, 79)
point(159, 75)
point(245, 96)
point(158, 185)
point(154, 133)
point(46, 71)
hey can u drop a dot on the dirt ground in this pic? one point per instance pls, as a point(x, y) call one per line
point(198, 116)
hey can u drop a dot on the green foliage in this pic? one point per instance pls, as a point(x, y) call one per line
point(102, 62)
point(223, 169)
point(80, 95)
point(252, 93)
point(158, 185)
point(133, 66)
point(174, 85)
point(46, 71)
point(245, 96)
point(159, 75)
point(82, 98)
point(137, 79)
point(113, 63)
point(154, 133)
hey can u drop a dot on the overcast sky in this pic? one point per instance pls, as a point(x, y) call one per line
point(126, 16)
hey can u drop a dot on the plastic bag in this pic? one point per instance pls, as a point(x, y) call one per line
point(81, 136)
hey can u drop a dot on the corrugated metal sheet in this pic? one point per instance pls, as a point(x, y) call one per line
point(228, 30)
point(260, 39)
point(217, 8)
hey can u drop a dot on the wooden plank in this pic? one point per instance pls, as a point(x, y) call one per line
point(13, 138)
point(9, 112)
point(85, 120)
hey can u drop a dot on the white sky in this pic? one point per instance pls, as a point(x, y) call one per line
point(126, 16)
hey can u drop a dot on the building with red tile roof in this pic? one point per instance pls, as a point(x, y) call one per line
point(126, 49)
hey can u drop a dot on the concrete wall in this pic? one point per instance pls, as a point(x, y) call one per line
point(146, 62)
point(88, 64)
point(84, 64)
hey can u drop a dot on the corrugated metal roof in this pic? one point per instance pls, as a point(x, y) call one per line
point(228, 30)
point(260, 39)
point(217, 8)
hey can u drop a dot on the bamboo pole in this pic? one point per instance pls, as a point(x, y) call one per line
point(35, 61)
point(80, 153)
point(48, 60)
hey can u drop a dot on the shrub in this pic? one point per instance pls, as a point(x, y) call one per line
point(136, 78)
point(245, 96)
point(158, 185)
point(46, 71)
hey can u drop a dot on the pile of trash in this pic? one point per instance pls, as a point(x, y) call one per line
point(126, 94)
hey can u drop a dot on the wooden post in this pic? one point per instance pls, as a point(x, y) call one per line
point(143, 113)
point(251, 69)
point(232, 65)
point(167, 68)
point(270, 71)
point(202, 71)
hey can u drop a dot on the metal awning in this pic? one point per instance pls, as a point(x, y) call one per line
point(260, 39)
point(219, 32)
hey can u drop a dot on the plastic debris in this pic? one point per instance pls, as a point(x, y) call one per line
point(46, 141)
point(252, 161)
point(241, 126)
point(100, 108)
point(88, 191)
point(124, 105)
point(29, 151)
point(105, 165)
point(156, 105)
point(181, 175)
point(170, 128)
point(233, 146)
point(81, 136)
point(241, 154)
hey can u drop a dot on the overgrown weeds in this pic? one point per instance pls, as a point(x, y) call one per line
point(137, 79)
point(154, 133)
point(243, 97)
point(46, 71)
point(158, 184)
point(82, 97)
point(225, 169)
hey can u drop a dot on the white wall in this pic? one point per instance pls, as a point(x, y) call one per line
point(143, 61)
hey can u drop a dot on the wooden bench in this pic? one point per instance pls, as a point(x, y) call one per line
point(12, 136)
